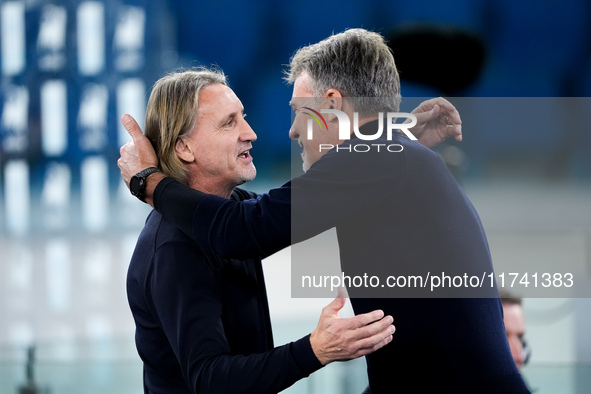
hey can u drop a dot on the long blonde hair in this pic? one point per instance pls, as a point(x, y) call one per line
point(172, 113)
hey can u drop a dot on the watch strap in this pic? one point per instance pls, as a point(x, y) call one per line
point(145, 172)
point(141, 178)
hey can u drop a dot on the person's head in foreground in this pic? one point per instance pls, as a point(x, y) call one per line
point(196, 124)
point(514, 327)
point(354, 64)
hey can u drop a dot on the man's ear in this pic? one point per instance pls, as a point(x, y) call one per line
point(183, 151)
point(333, 99)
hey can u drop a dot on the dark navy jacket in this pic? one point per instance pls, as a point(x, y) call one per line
point(202, 322)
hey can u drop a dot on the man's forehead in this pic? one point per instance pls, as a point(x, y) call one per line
point(230, 95)
point(217, 91)
point(513, 316)
point(302, 86)
point(219, 99)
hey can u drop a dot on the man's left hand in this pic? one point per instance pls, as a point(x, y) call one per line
point(341, 339)
point(138, 153)
point(437, 120)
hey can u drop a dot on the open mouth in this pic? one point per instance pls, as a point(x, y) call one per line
point(245, 154)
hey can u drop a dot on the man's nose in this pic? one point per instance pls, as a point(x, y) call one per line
point(248, 133)
point(293, 134)
point(517, 351)
point(520, 353)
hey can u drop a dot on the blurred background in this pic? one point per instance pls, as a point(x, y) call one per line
point(68, 226)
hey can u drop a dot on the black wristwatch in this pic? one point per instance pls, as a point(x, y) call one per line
point(137, 183)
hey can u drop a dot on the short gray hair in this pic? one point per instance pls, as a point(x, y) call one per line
point(172, 114)
point(358, 63)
